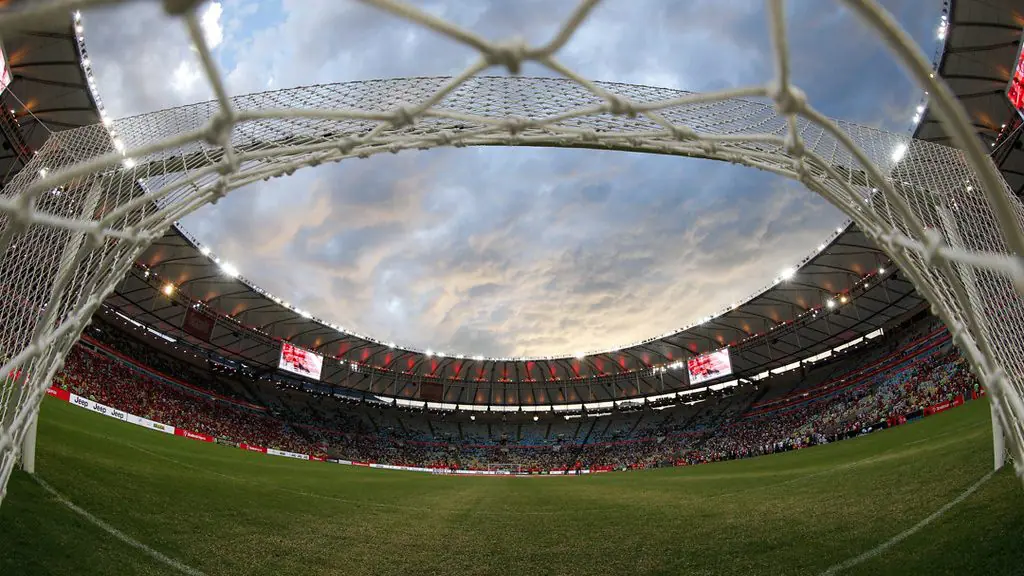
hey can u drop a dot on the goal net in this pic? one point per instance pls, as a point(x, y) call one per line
point(76, 218)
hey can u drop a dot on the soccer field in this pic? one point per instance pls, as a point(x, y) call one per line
point(217, 510)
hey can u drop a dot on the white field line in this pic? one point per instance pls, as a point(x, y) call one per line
point(884, 546)
point(155, 554)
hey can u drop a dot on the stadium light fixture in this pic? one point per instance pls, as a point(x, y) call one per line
point(881, 270)
point(535, 418)
point(788, 274)
point(472, 417)
point(229, 269)
point(206, 252)
point(580, 355)
point(830, 303)
point(430, 353)
point(842, 299)
point(168, 289)
point(899, 152)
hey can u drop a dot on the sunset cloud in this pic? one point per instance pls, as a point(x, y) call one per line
point(514, 251)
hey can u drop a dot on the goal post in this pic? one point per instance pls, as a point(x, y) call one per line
point(998, 438)
point(77, 216)
point(28, 446)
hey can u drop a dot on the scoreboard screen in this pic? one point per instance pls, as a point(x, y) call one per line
point(301, 362)
point(1015, 92)
point(709, 366)
point(5, 72)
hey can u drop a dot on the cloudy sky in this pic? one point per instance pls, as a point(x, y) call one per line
point(512, 251)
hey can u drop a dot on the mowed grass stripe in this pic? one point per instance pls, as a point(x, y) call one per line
point(225, 511)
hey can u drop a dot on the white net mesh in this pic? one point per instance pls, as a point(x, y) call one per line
point(75, 219)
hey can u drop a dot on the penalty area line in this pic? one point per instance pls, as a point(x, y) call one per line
point(885, 546)
point(156, 555)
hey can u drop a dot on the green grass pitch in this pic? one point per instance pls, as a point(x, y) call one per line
point(223, 511)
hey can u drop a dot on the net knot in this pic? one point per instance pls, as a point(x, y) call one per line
point(228, 166)
point(684, 133)
point(218, 131)
point(220, 189)
point(345, 145)
point(932, 245)
point(795, 146)
point(789, 100)
point(515, 125)
point(93, 236)
point(620, 106)
point(402, 117)
point(803, 174)
point(709, 147)
point(510, 55)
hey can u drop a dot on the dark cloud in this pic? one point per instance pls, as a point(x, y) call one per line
point(502, 251)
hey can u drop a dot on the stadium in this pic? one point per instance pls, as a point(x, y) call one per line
point(162, 413)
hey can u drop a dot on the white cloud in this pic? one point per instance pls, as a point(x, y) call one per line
point(209, 21)
point(185, 77)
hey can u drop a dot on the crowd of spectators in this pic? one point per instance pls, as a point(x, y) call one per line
point(112, 382)
point(134, 378)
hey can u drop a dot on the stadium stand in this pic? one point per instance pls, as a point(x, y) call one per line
point(881, 385)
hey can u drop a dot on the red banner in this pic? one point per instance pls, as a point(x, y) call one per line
point(360, 463)
point(943, 406)
point(252, 448)
point(59, 394)
point(193, 435)
point(318, 458)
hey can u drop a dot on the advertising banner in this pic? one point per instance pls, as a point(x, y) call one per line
point(286, 454)
point(193, 435)
point(59, 393)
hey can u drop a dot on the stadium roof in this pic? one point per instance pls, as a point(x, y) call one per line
point(982, 41)
point(844, 290)
point(48, 91)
